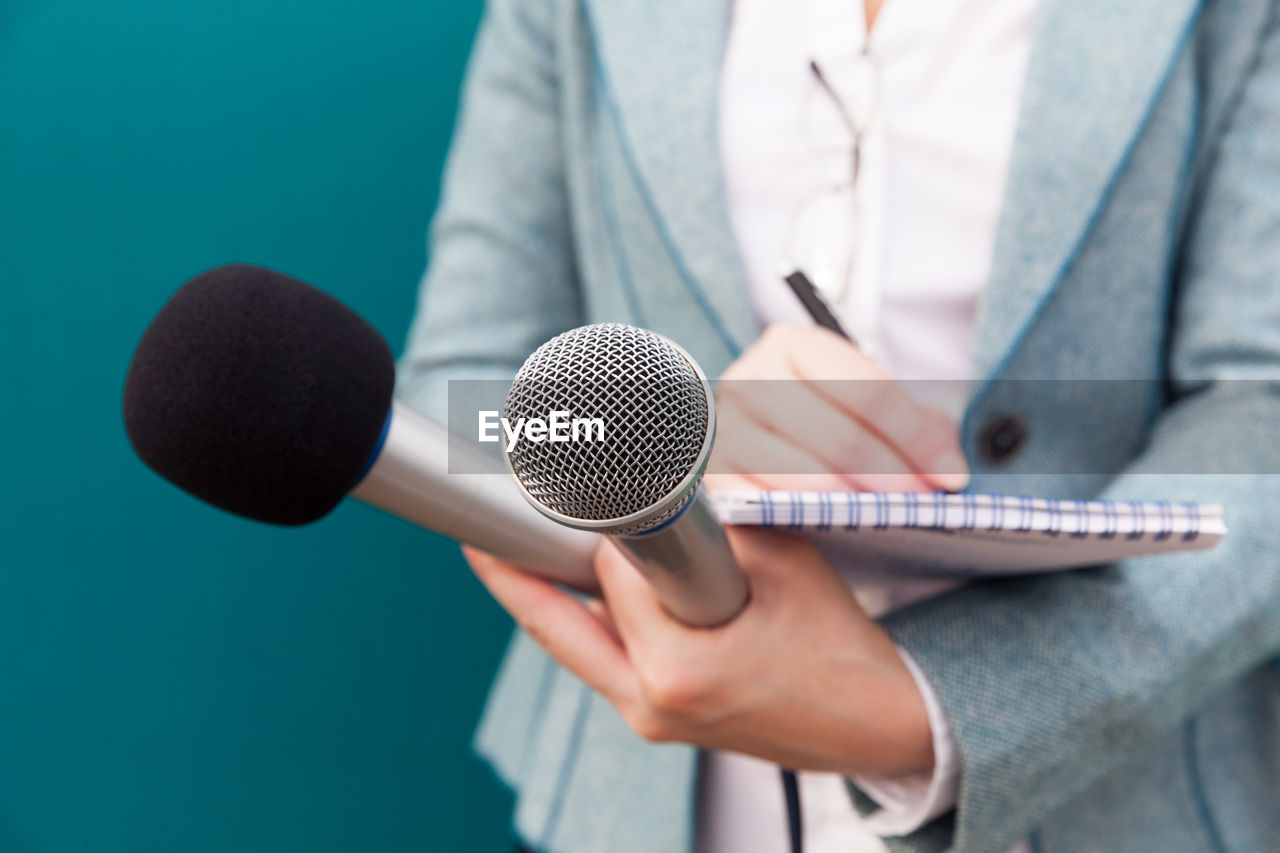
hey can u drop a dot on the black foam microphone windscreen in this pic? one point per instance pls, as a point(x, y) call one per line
point(259, 394)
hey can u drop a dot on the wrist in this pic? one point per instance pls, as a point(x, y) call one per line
point(894, 736)
point(906, 734)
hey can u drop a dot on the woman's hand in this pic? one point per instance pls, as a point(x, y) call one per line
point(818, 430)
point(801, 677)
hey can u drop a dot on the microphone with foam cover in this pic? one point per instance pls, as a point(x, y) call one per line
point(270, 399)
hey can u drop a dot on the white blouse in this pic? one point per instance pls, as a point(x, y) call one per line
point(902, 255)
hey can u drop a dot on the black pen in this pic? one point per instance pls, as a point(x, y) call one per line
point(815, 305)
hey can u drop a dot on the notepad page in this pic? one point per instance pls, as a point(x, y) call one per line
point(974, 534)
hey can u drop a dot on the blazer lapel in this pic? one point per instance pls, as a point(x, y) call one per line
point(659, 64)
point(1096, 71)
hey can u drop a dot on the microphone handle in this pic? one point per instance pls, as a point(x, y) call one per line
point(411, 480)
point(690, 566)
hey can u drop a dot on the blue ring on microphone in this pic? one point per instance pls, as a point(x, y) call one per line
point(377, 448)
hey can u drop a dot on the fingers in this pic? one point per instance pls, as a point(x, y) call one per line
point(725, 473)
point(561, 624)
point(776, 553)
point(600, 610)
point(722, 479)
point(679, 673)
point(634, 606)
point(725, 482)
point(924, 436)
point(745, 448)
point(818, 354)
point(856, 389)
point(788, 428)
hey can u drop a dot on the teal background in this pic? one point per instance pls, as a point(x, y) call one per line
point(172, 678)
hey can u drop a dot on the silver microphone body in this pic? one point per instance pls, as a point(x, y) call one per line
point(640, 483)
point(411, 479)
point(690, 566)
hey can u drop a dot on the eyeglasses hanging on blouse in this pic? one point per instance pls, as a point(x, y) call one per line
point(824, 233)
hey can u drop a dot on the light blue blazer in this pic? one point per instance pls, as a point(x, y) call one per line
point(1134, 707)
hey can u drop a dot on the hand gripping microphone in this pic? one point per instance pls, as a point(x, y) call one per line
point(639, 484)
point(270, 399)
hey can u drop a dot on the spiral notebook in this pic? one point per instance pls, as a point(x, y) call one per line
point(966, 535)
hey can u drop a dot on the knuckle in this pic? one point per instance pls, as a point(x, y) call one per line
point(648, 725)
point(674, 690)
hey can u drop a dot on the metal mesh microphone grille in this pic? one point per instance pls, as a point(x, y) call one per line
point(654, 408)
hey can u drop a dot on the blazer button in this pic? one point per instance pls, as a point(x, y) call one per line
point(1002, 438)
